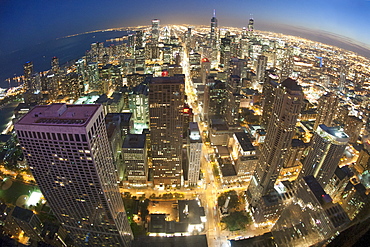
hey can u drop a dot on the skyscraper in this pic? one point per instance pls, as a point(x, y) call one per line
point(194, 153)
point(280, 131)
point(327, 147)
point(214, 38)
point(68, 153)
point(269, 86)
point(261, 67)
point(166, 103)
point(287, 64)
point(28, 72)
point(155, 30)
point(326, 109)
point(250, 25)
point(214, 29)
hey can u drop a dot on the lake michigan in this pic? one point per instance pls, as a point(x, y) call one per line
point(66, 49)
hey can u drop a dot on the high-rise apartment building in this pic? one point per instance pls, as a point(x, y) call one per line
point(28, 72)
point(155, 30)
point(326, 109)
point(194, 153)
point(352, 127)
point(280, 131)
point(269, 86)
point(261, 68)
point(327, 147)
point(67, 150)
point(166, 104)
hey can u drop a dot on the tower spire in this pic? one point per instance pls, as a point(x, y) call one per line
point(214, 12)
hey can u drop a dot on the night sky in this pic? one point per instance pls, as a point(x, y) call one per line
point(26, 23)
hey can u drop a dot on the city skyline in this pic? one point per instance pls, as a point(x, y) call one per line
point(28, 23)
point(191, 132)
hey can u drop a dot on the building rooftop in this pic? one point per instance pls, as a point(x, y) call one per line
point(244, 141)
point(134, 141)
point(317, 190)
point(291, 84)
point(333, 133)
point(168, 80)
point(59, 114)
point(189, 212)
point(22, 214)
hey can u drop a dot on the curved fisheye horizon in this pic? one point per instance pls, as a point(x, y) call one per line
point(32, 23)
point(247, 125)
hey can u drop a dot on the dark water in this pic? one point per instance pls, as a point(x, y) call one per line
point(66, 49)
point(6, 113)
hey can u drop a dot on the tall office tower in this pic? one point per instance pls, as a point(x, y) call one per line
point(250, 26)
point(134, 150)
point(155, 30)
point(166, 103)
point(310, 217)
point(188, 118)
point(138, 39)
point(214, 30)
point(130, 46)
point(217, 99)
point(269, 86)
point(261, 68)
point(214, 38)
point(280, 131)
point(28, 69)
point(138, 104)
point(68, 153)
point(188, 38)
point(287, 64)
point(194, 152)
point(93, 77)
point(326, 149)
point(205, 69)
point(327, 109)
point(28, 72)
point(225, 54)
point(352, 127)
point(292, 164)
point(82, 75)
point(55, 65)
point(233, 100)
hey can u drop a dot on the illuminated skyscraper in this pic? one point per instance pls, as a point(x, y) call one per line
point(55, 64)
point(194, 153)
point(287, 64)
point(166, 104)
point(28, 72)
point(67, 150)
point(269, 86)
point(205, 70)
point(155, 30)
point(327, 147)
point(250, 26)
point(326, 109)
point(280, 131)
point(214, 38)
point(214, 29)
point(352, 127)
point(261, 67)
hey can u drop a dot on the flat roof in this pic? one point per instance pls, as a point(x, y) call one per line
point(168, 80)
point(59, 114)
point(244, 141)
point(134, 141)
